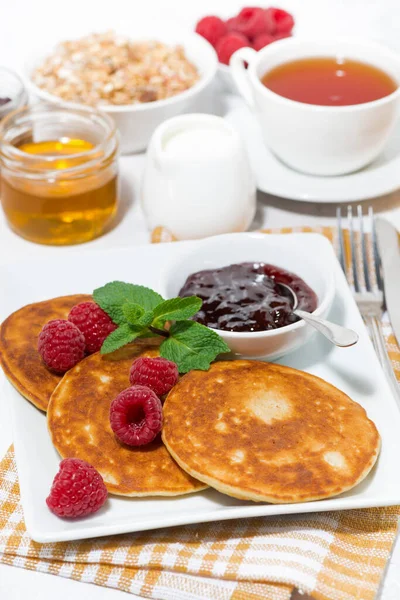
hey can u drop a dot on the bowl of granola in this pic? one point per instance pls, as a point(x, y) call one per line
point(140, 79)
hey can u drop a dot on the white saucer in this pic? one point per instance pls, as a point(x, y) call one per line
point(275, 178)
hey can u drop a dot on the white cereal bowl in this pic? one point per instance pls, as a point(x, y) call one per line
point(281, 250)
point(137, 122)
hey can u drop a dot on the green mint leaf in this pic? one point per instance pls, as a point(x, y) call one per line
point(112, 296)
point(132, 312)
point(136, 315)
point(176, 309)
point(146, 319)
point(192, 346)
point(125, 334)
point(144, 296)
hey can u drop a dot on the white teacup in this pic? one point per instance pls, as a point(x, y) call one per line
point(197, 180)
point(320, 140)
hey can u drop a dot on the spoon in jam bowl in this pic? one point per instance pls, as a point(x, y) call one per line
point(338, 335)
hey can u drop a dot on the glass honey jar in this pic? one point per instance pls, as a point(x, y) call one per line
point(13, 94)
point(59, 173)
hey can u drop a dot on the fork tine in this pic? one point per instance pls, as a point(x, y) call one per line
point(342, 257)
point(364, 255)
point(376, 261)
point(353, 251)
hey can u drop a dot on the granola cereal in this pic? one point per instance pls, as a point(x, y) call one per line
point(104, 68)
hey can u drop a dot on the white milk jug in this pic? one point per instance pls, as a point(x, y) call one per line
point(197, 179)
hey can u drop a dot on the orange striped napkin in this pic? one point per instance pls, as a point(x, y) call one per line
point(332, 555)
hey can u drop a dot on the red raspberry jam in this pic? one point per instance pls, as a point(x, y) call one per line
point(248, 297)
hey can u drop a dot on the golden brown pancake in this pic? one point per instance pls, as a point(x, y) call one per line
point(19, 357)
point(265, 432)
point(79, 425)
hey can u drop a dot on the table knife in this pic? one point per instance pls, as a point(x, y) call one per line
point(389, 250)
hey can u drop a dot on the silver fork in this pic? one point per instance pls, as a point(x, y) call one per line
point(363, 275)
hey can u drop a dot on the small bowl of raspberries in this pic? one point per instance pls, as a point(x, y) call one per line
point(253, 27)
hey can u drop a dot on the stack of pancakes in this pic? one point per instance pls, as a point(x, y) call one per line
point(19, 357)
point(252, 430)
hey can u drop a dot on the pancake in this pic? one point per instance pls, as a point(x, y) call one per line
point(19, 357)
point(79, 426)
point(264, 432)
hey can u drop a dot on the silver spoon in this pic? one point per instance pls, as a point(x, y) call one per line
point(338, 335)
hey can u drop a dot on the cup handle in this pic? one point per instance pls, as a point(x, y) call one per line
point(239, 72)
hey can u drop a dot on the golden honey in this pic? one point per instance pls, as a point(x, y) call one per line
point(58, 191)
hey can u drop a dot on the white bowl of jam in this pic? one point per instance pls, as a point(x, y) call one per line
point(238, 276)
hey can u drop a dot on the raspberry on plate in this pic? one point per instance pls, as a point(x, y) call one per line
point(61, 345)
point(93, 322)
point(278, 21)
point(211, 28)
point(78, 489)
point(263, 40)
point(136, 416)
point(228, 44)
point(250, 21)
point(158, 374)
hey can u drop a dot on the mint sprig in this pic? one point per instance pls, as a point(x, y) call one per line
point(140, 312)
point(192, 346)
point(177, 309)
point(125, 334)
point(112, 297)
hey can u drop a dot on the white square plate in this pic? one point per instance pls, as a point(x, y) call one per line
point(354, 370)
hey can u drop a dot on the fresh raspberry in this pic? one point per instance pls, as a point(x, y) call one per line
point(211, 28)
point(136, 415)
point(158, 374)
point(250, 22)
point(281, 36)
point(93, 322)
point(228, 44)
point(278, 21)
point(262, 40)
point(78, 490)
point(232, 24)
point(61, 345)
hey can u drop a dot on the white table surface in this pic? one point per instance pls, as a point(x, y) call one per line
point(26, 25)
